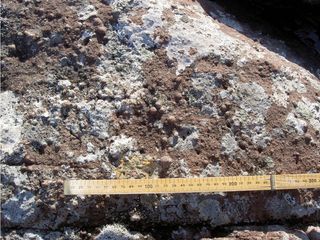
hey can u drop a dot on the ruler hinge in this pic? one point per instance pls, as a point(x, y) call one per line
point(273, 182)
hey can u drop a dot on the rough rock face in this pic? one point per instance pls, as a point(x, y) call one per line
point(130, 89)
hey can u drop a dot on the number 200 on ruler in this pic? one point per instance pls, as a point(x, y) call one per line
point(192, 185)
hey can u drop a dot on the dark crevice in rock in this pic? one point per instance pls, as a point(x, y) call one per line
point(289, 28)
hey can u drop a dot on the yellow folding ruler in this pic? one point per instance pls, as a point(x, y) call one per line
point(192, 185)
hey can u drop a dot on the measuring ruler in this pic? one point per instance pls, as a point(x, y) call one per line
point(192, 185)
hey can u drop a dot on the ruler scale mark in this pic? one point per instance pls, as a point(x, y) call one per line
point(192, 185)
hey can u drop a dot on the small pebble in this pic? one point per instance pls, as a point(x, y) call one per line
point(162, 110)
point(164, 140)
point(12, 48)
point(165, 163)
point(101, 30)
point(177, 96)
point(307, 138)
point(158, 104)
point(153, 111)
point(52, 207)
point(135, 217)
point(242, 144)
point(171, 119)
point(97, 21)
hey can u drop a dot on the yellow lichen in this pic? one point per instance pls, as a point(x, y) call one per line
point(137, 166)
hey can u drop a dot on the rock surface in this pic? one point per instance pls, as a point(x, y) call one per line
point(131, 89)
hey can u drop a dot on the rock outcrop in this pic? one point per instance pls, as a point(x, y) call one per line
point(131, 89)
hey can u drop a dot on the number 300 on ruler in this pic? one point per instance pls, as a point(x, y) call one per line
point(192, 185)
